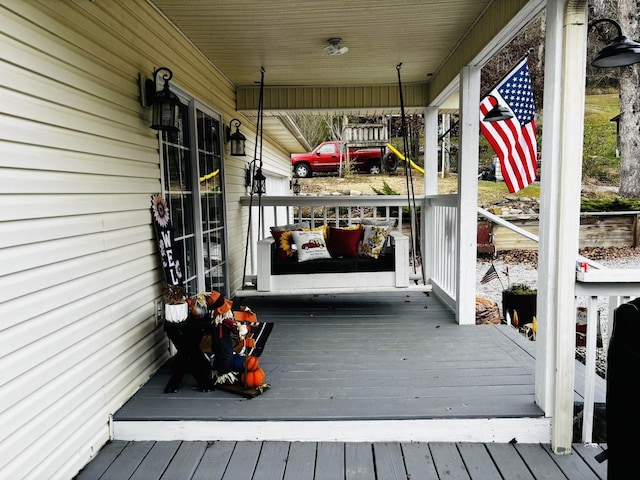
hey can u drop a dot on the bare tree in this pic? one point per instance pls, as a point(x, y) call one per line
point(319, 128)
point(629, 125)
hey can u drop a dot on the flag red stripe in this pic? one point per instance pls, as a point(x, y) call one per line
point(513, 143)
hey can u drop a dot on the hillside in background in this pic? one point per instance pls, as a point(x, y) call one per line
point(601, 167)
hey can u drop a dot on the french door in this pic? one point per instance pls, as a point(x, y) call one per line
point(193, 184)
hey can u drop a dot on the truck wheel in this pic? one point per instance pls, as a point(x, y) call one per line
point(390, 162)
point(374, 168)
point(302, 170)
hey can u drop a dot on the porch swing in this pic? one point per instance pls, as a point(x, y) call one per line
point(337, 267)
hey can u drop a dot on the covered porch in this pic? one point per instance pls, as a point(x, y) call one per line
point(392, 367)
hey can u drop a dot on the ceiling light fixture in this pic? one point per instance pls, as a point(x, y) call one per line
point(334, 47)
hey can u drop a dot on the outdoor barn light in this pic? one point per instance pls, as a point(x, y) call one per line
point(620, 52)
point(498, 113)
point(165, 104)
point(236, 138)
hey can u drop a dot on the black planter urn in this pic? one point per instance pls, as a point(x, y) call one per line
point(524, 304)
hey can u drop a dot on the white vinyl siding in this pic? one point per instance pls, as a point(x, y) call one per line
point(79, 273)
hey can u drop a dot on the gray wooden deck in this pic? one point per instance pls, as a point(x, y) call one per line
point(399, 356)
point(362, 362)
point(121, 460)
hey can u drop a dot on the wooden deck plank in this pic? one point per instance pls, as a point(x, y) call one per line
point(128, 461)
point(301, 464)
point(588, 454)
point(509, 463)
point(330, 461)
point(214, 461)
point(272, 461)
point(534, 459)
point(243, 461)
point(358, 462)
point(478, 461)
point(389, 460)
point(156, 461)
point(418, 461)
point(573, 466)
point(97, 467)
point(185, 462)
point(448, 461)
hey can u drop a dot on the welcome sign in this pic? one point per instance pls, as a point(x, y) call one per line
point(164, 236)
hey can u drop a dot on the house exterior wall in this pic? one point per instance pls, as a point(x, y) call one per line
point(79, 274)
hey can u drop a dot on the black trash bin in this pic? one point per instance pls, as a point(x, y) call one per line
point(623, 418)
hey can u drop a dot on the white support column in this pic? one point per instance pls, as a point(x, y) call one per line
point(431, 151)
point(468, 194)
point(568, 219)
point(549, 191)
point(430, 187)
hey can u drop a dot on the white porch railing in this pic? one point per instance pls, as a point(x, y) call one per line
point(438, 244)
point(598, 283)
point(438, 217)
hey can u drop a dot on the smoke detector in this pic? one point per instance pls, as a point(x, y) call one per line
point(334, 47)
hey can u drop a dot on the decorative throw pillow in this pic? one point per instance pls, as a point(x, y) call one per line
point(373, 240)
point(343, 242)
point(284, 241)
point(310, 245)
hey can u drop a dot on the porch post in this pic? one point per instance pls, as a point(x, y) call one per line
point(467, 194)
point(568, 219)
point(430, 187)
point(549, 191)
point(431, 151)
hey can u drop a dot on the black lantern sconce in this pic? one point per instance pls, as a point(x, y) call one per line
point(166, 105)
point(259, 183)
point(498, 113)
point(255, 179)
point(236, 138)
point(620, 52)
point(296, 187)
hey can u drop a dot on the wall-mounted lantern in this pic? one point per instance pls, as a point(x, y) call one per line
point(236, 138)
point(296, 187)
point(166, 105)
point(259, 183)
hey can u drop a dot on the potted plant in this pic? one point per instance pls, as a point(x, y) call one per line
point(176, 309)
point(519, 304)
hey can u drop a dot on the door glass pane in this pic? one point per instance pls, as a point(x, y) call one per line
point(211, 201)
point(179, 191)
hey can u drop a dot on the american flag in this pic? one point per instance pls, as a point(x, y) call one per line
point(491, 274)
point(513, 140)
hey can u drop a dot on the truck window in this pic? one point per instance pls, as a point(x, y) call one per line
point(327, 149)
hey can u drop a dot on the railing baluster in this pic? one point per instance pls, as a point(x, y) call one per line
point(590, 370)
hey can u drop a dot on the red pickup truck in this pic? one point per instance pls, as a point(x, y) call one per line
point(326, 157)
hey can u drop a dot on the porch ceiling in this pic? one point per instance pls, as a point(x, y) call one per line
point(432, 39)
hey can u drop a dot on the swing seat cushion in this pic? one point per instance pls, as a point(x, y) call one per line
point(384, 263)
point(345, 274)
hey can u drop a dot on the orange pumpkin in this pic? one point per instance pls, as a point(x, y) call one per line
point(253, 379)
point(251, 363)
